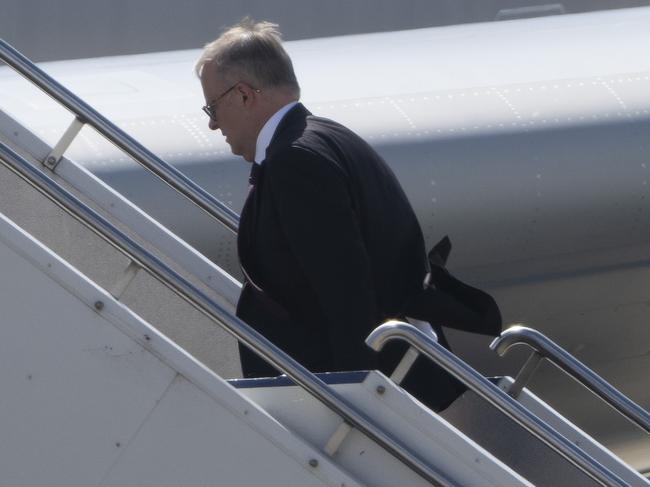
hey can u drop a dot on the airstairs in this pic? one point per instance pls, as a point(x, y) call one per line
point(109, 322)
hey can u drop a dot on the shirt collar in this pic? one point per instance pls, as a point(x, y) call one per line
point(266, 134)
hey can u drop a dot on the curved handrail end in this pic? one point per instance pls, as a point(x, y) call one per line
point(509, 338)
point(392, 330)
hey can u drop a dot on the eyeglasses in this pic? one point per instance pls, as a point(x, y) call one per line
point(210, 109)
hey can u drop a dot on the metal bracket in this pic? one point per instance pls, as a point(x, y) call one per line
point(53, 158)
point(411, 354)
point(409, 358)
point(124, 281)
point(337, 438)
point(525, 374)
point(404, 365)
point(333, 444)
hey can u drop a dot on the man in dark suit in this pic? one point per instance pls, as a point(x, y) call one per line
point(328, 242)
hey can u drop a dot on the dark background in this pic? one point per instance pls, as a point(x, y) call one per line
point(68, 29)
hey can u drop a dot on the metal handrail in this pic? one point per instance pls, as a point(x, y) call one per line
point(86, 114)
point(521, 335)
point(396, 330)
point(213, 310)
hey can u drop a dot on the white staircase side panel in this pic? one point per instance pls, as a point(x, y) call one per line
point(95, 258)
point(443, 446)
point(73, 389)
point(242, 459)
point(96, 396)
point(120, 208)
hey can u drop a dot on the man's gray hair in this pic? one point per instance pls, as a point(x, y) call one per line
point(252, 52)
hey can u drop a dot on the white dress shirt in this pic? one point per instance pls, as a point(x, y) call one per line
point(267, 132)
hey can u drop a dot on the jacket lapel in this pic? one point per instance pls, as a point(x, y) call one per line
point(247, 227)
point(290, 127)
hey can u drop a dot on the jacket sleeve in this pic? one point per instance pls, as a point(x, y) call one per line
point(457, 305)
point(315, 208)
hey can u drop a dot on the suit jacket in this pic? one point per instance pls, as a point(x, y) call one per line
point(330, 246)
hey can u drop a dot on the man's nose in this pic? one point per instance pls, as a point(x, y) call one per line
point(213, 125)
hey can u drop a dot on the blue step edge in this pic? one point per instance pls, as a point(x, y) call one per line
point(331, 378)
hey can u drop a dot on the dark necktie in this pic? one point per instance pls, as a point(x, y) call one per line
point(255, 169)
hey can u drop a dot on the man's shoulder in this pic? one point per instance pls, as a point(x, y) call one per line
point(304, 135)
point(325, 135)
point(327, 126)
point(310, 152)
point(301, 128)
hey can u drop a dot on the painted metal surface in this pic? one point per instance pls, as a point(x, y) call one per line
point(123, 211)
point(99, 397)
point(105, 266)
point(440, 443)
point(85, 114)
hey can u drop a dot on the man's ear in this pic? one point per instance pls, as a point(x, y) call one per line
point(243, 91)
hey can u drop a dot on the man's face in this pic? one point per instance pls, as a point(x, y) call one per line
point(231, 112)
